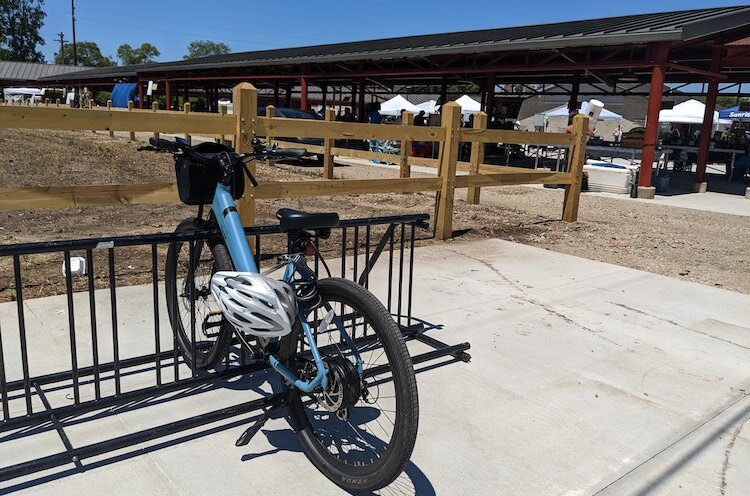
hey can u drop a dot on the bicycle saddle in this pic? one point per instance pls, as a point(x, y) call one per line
point(294, 220)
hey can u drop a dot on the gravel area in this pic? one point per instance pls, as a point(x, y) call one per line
point(705, 247)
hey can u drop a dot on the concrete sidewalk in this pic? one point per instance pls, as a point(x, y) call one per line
point(586, 378)
point(708, 202)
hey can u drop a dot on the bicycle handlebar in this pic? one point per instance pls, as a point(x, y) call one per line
point(224, 159)
point(164, 145)
point(284, 152)
point(259, 151)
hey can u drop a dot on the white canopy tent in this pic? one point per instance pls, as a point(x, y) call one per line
point(429, 107)
point(395, 105)
point(562, 111)
point(469, 105)
point(22, 94)
point(689, 112)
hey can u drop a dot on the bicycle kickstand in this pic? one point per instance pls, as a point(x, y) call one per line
point(251, 431)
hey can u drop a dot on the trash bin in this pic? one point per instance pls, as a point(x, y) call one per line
point(661, 183)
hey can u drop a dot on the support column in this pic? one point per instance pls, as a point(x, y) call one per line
point(140, 94)
point(573, 102)
point(168, 97)
point(276, 93)
point(354, 98)
point(214, 97)
point(443, 92)
point(489, 103)
point(361, 110)
point(708, 122)
point(483, 94)
point(288, 96)
point(185, 94)
point(303, 93)
point(651, 135)
point(324, 95)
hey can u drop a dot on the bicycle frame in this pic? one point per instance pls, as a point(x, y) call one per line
point(230, 224)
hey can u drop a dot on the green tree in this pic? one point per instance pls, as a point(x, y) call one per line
point(726, 101)
point(204, 48)
point(144, 54)
point(88, 54)
point(20, 22)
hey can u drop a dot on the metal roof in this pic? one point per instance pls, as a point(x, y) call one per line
point(634, 29)
point(30, 71)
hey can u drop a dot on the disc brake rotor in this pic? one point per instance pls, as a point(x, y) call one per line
point(344, 386)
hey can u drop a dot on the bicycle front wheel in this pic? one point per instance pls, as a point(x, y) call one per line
point(185, 295)
point(361, 432)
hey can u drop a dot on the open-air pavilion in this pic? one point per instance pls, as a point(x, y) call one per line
point(703, 53)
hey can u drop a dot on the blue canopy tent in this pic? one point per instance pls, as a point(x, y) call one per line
point(735, 114)
point(122, 93)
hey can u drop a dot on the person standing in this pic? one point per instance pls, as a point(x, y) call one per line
point(617, 133)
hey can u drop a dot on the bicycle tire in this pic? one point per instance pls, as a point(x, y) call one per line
point(208, 351)
point(380, 473)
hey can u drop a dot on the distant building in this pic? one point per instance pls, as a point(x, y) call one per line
point(29, 73)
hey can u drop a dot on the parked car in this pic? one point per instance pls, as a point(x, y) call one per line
point(633, 138)
point(290, 113)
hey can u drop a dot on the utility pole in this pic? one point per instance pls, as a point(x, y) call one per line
point(73, 14)
point(62, 48)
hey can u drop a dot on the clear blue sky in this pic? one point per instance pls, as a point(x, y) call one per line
point(247, 25)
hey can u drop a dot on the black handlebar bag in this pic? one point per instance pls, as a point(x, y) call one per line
point(196, 182)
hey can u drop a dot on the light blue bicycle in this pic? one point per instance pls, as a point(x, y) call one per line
point(352, 394)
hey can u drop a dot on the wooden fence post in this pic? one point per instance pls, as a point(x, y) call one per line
point(189, 138)
point(477, 157)
point(223, 111)
point(327, 145)
point(130, 108)
point(57, 103)
point(245, 100)
point(91, 107)
point(109, 108)
point(270, 113)
point(575, 168)
point(451, 122)
point(154, 108)
point(407, 119)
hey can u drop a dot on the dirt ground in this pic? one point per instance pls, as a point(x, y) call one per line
point(704, 247)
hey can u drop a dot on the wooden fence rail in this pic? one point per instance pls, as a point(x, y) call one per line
point(245, 124)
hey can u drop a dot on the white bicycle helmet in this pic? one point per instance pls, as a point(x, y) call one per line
point(255, 304)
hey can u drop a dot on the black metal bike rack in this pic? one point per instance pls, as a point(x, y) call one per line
point(168, 371)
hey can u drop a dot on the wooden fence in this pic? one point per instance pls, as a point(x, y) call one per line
point(246, 124)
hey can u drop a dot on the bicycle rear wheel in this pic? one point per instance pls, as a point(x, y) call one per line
point(212, 332)
point(359, 434)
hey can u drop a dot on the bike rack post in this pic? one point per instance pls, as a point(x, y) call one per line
point(164, 375)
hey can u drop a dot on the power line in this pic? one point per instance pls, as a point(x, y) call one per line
point(62, 48)
point(186, 33)
point(255, 31)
